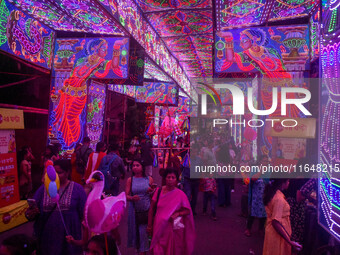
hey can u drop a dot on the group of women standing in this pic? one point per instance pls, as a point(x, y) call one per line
point(162, 216)
point(159, 219)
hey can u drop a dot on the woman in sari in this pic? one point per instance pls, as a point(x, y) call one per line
point(170, 220)
point(49, 227)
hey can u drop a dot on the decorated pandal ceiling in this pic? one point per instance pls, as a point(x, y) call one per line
point(71, 15)
point(185, 26)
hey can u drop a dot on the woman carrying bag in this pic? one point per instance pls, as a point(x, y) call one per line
point(138, 190)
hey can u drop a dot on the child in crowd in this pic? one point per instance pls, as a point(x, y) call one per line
point(97, 246)
point(208, 186)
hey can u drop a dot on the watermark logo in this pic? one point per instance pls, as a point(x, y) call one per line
point(209, 93)
point(238, 100)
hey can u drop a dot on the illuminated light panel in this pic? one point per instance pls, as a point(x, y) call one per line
point(238, 13)
point(111, 7)
point(330, 19)
point(71, 15)
point(78, 60)
point(291, 9)
point(127, 90)
point(242, 13)
point(25, 37)
point(181, 94)
point(329, 184)
point(132, 19)
point(179, 44)
point(191, 65)
point(204, 55)
point(203, 43)
point(315, 35)
point(286, 44)
point(153, 72)
point(157, 93)
point(181, 23)
point(194, 72)
point(162, 5)
point(95, 112)
point(186, 55)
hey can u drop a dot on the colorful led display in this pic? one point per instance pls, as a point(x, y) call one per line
point(153, 72)
point(194, 111)
point(24, 37)
point(282, 10)
point(95, 112)
point(181, 22)
point(314, 35)
point(123, 89)
point(131, 17)
point(135, 69)
point(237, 13)
point(75, 62)
point(269, 50)
point(330, 19)
point(186, 55)
point(245, 13)
point(186, 46)
point(157, 93)
point(162, 5)
point(183, 107)
point(329, 183)
point(71, 15)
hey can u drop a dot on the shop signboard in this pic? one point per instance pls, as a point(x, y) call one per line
point(11, 119)
point(9, 186)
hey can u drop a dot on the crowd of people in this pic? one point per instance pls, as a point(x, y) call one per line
point(279, 204)
point(160, 217)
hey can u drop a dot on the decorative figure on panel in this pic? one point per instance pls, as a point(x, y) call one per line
point(141, 94)
point(256, 56)
point(73, 94)
point(171, 97)
point(157, 95)
point(28, 33)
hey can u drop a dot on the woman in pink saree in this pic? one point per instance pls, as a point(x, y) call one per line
point(170, 221)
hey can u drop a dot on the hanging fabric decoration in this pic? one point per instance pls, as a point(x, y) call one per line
point(177, 129)
point(147, 131)
point(164, 129)
point(151, 129)
point(155, 160)
point(186, 125)
point(186, 160)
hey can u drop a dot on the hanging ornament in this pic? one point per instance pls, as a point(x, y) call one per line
point(186, 160)
point(124, 54)
point(220, 46)
point(155, 161)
